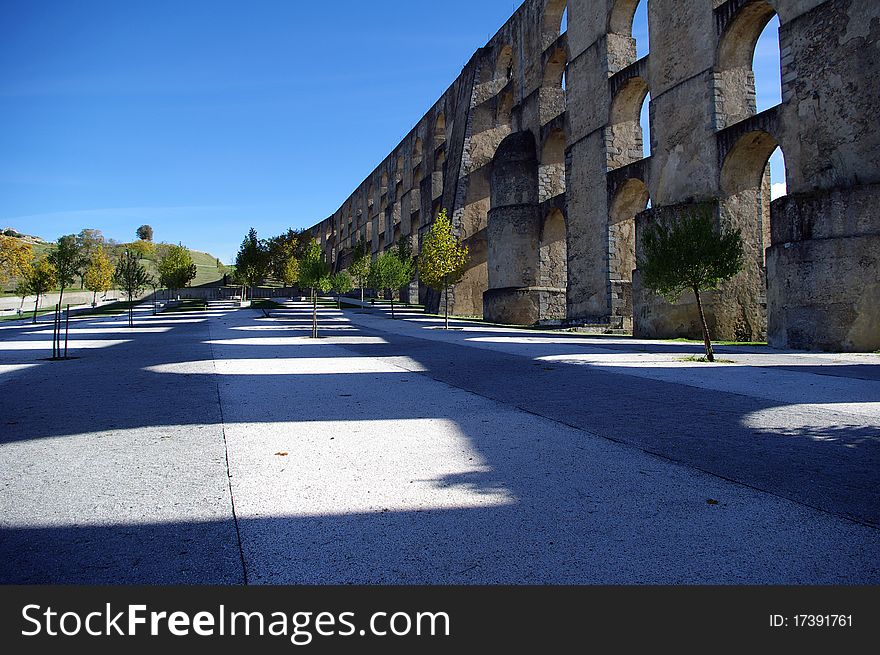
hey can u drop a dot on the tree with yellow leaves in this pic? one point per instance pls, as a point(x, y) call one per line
point(443, 259)
point(98, 275)
point(15, 257)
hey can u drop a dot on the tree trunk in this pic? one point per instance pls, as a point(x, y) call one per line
point(36, 304)
point(314, 314)
point(446, 303)
point(710, 355)
point(362, 291)
point(61, 295)
point(392, 305)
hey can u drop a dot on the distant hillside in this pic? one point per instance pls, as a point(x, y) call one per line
point(210, 271)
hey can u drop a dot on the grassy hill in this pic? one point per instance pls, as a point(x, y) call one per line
point(210, 270)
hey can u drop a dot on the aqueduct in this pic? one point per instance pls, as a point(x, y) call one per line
point(536, 150)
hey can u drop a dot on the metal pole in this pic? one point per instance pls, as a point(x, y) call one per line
point(56, 325)
point(66, 330)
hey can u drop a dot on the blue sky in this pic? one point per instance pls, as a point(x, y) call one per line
point(203, 118)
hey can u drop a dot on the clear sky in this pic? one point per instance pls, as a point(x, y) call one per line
point(205, 117)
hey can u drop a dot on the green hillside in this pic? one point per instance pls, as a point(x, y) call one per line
point(208, 271)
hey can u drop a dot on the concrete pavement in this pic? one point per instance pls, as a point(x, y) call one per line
point(220, 446)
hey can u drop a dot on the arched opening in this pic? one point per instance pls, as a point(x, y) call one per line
point(551, 173)
point(563, 24)
point(552, 97)
point(631, 199)
point(398, 170)
point(371, 198)
point(553, 262)
point(629, 123)
point(504, 65)
point(383, 186)
point(629, 18)
point(440, 130)
point(504, 112)
point(417, 152)
point(747, 191)
point(554, 12)
point(740, 63)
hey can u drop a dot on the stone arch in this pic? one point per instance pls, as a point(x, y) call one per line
point(621, 15)
point(398, 170)
point(504, 63)
point(551, 173)
point(504, 110)
point(552, 23)
point(734, 74)
point(553, 261)
point(417, 152)
point(746, 190)
point(631, 199)
point(621, 21)
point(552, 96)
point(383, 184)
point(440, 130)
point(626, 137)
point(745, 204)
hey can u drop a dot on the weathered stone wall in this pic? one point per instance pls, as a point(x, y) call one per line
point(570, 99)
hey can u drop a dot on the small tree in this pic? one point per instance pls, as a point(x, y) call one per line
point(314, 274)
point(690, 253)
point(340, 283)
point(443, 259)
point(98, 275)
point(360, 264)
point(15, 257)
point(176, 268)
point(40, 280)
point(144, 233)
point(66, 259)
point(88, 241)
point(132, 278)
point(252, 261)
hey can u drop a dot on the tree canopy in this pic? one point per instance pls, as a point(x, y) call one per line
point(67, 260)
point(15, 257)
point(690, 253)
point(144, 233)
point(98, 275)
point(176, 268)
point(252, 260)
point(442, 259)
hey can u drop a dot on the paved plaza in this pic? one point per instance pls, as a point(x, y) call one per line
point(226, 447)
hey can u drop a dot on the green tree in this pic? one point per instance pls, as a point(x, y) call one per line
point(443, 259)
point(252, 261)
point(314, 274)
point(690, 253)
point(176, 268)
point(15, 257)
point(40, 280)
point(98, 275)
point(340, 284)
point(88, 241)
point(143, 249)
point(144, 233)
point(283, 253)
point(360, 264)
point(67, 260)
point(133, 278)
point(388, 272)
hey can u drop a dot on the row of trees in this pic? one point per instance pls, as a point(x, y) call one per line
point(99, 265)
point(296, 258)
